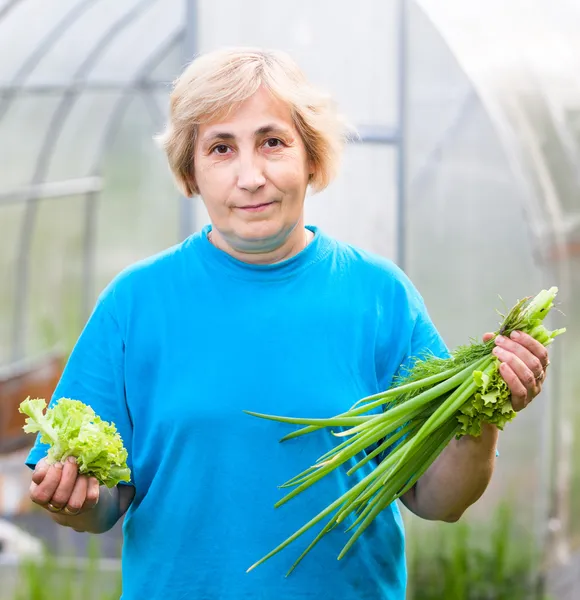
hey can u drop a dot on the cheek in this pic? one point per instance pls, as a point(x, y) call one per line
point(213, 194)
point(288, 175)
point(213, 182)
point(204, 173)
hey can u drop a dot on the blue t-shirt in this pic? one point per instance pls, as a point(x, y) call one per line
point(178, 346)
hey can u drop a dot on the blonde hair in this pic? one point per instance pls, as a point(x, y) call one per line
point(214, 83)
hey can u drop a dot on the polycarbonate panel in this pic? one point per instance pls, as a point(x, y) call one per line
point(523, 60)
point(349, 50)
point(138, 210)
point(169, 66)
point(24, 27)
point(552, 144)
point(53, 305)
point(23, 131)
point(134, 217)
point(493, 36)
point(440, 95)
point(569, 359)
point(148, 34)
point(10, 222)
point(4, 4)
point(160, 100)
point(85, 40)
point(360, 207)
point(78, 145)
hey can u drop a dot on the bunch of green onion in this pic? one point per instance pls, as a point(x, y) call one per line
point(435, 400)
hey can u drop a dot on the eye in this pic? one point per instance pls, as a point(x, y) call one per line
point(220, 149)
point(273, 143)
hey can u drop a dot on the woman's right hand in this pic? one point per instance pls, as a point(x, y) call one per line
point(61, 490)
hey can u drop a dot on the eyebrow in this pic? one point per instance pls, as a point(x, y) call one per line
point(271, 129)
point(227, 136)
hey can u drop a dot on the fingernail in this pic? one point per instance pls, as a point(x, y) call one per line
point(72, 460)
point(498, 351)
point(58, 465)
point(515, 335)
point(499, 339)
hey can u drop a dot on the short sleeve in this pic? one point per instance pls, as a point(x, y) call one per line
point(425, 339)
point(417, 336)
point(94, 374)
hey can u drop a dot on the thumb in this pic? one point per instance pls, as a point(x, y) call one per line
point(488, 336)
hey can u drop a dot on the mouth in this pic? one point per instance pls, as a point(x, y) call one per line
point(256, 207)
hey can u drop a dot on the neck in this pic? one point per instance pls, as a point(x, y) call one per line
point(265, 255)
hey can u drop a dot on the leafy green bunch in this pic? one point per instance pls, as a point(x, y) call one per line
point(430, 403)
point(71, 428)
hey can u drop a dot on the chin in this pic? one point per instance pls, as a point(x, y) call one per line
point(263, 231)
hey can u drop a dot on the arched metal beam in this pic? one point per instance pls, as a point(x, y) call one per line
point(6, 9)
point(53, 36)
point(47, 89)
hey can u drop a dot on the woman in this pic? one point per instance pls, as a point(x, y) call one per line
point(258, 312)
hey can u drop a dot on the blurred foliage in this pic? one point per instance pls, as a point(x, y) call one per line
point(468, 561)
point(50, 579)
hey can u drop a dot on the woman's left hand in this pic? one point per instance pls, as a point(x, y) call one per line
point(523, 365)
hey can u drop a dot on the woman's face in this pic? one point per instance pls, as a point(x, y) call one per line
point(252, 172)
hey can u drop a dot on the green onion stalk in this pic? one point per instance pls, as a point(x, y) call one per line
point(405, 428)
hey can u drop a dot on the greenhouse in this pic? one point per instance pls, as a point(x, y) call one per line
point(466, 173)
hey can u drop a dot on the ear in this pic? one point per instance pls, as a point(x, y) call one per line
point(311, 170)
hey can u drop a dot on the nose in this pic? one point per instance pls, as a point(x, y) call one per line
point(251, 174)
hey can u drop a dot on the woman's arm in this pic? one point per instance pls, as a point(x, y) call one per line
point(462, 472)
point(457, 478)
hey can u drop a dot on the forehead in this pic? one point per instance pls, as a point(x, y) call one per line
point(246, 118)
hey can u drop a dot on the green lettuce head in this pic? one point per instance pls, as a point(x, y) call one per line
point(72, 428)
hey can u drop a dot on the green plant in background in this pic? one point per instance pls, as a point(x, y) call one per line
point(50, 579)
point(461, 562)
point(44, 579)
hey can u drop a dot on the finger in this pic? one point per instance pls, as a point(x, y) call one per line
point(78, 497)
point(535, 347)
point(518, 366)
point(66, 485)
point(524, 354)
point(518, 391)
point(488, 336)
point(42, 494)
point(93, 491)
point(40, 471)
